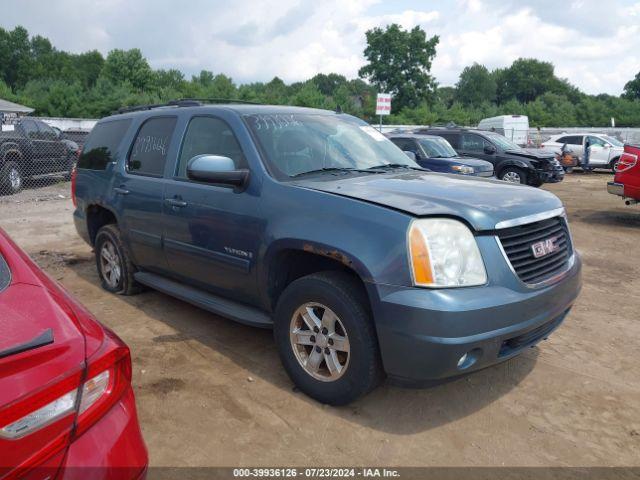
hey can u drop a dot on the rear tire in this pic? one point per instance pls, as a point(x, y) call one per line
point(114, 265)
point(11, 180)
point(513, 175)
point(326, 338)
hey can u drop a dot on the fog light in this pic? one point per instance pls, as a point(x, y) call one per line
point(469, 358)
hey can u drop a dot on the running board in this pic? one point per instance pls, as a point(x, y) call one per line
point(205, 300)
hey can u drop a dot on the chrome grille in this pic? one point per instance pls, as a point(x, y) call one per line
point(520, 244)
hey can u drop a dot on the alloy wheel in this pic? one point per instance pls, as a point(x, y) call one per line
point(319, 342)
point(110, 264)
point(511, 177)
point(15, 180)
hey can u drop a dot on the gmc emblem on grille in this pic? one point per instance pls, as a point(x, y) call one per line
point(545, 247)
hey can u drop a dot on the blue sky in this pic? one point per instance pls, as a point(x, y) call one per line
point(595, 44)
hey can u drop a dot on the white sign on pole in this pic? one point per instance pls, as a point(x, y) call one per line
point(383, 104)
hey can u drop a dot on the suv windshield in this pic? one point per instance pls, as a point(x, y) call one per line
point(295, 144)
point(503, 142)
point(5, 274)
point(437, 148)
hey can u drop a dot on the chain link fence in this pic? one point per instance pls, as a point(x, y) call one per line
point(36, 155)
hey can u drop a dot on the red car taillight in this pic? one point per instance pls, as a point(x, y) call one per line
point(108, 375)
point(627, 161)
point(74, 175)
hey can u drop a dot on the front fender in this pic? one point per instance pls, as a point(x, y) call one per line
point(514, 163)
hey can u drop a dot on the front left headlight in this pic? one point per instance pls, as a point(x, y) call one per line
point(463, 169)
point(443, 253)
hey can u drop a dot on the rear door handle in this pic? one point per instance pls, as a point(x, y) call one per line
point(175, 203)
point(121, 191)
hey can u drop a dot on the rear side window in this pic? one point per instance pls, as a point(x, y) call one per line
point(151, 146)
point(405, 144)
point(5, 274)
point(452, 138)
point(571, 140)
point(101, 147)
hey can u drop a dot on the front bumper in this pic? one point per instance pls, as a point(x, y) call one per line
point(111, 449)
point(550, 176)
point(615, 188)
point(423, 334)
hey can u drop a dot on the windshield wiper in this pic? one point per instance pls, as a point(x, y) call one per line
point(393, 165)
point(330, 169)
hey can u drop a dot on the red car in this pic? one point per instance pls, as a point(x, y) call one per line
point(626, 183)
point(67, 408)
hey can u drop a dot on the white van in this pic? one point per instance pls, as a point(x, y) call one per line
point(514, 127)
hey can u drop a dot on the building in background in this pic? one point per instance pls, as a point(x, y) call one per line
point(10, 112)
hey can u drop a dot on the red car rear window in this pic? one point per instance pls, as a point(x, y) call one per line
point(5, 274)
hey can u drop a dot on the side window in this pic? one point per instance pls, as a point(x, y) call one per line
point(46, 132)
point(596, 141)
point(101, 146)
point(575, 140)
point(473, 143)
point(30, 128)
point(209, 135)
point(406, 145)
point(562, 140)
point(151, 146)
point(452, 138)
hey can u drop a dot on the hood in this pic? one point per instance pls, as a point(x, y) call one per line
point(482, 203)
point(535, 154)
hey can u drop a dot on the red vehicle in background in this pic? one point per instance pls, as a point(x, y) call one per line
point(67, 408)
point(626, 183)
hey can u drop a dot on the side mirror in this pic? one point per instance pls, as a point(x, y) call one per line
point(216, 169)
point(411, 155)
point(489, 149)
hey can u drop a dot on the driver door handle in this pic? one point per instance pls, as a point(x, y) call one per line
point(121, 191)
point(175, 203)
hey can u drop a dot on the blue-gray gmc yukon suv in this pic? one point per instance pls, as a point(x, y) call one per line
point(313, 223)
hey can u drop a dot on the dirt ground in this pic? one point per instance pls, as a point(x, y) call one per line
point(211, 392)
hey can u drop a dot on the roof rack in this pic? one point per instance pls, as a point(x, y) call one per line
point(183, 102)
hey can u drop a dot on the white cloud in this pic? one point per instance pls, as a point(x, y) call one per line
point(592, 43)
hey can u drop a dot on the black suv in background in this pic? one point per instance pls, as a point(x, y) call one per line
point(511, 162)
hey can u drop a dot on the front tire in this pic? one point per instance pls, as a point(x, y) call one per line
point(114, 265)
point(513, 175)
point(11, 180)
point(613, 164)
point(326, 338)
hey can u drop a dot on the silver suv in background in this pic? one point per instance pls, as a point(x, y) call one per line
point(605, 150)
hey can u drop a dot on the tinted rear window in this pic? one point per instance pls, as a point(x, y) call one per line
point(151, 146)
point(5, 274)
point(102, 144)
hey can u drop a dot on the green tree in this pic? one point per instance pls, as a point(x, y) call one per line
point(632, 88)
point(476, 85)
point(127, 66)
point(399, 62)
point(525, 80)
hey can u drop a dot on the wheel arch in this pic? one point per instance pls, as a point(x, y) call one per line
point(286, 261)
point(97, 216)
